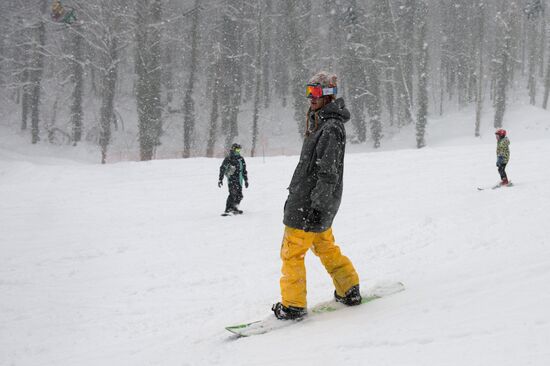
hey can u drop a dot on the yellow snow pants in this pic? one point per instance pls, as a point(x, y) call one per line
point(296, 243)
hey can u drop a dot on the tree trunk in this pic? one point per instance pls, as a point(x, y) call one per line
point(148, 69)
point(231, 68)
point(214, 115)
point(502, 69)
point(78, 80)
point(373, 75)
point(297, 41)
point(267, 63)
point(407, 38)
point(108, 97)
point(422, 115)
point(37, 70)
point(479, 90)
point(189, 103)
point(25, 98)
point(404, 97)
point(26, 82)
point(257, 91)
point(532, 62)
point(354, 63)
point(546, 86)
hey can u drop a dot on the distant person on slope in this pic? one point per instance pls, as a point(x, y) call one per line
point(62, 15)
point(315, 192)
point(234, 168)
point(503, 155)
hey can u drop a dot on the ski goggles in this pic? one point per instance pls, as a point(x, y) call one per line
point(317, 91)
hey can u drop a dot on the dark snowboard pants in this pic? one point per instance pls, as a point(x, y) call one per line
point(502, 171)
point(235, 196)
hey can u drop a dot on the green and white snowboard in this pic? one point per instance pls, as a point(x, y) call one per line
point(381, 289)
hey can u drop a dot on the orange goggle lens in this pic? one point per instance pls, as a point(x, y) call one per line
point(314, 91)
point(317, 91)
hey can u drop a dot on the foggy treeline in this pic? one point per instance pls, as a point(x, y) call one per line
point(199, 72)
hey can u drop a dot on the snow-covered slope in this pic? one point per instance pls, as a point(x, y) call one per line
point(131, 264)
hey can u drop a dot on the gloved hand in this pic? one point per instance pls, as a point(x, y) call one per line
point(220, 183)
point(500, 160)
point(246, 184)
point(313, 219)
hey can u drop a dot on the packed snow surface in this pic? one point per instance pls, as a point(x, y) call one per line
point(132, 264)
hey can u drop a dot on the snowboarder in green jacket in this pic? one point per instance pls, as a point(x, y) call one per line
point(234, 168)
point(503, 155)
point(62, 15)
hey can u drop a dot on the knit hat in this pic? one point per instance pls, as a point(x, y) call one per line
point(326, 79)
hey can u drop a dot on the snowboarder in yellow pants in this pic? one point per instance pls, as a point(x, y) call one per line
point(314, 196)
point(296, 243)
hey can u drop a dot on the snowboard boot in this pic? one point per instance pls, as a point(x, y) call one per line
point(236, 211)
point(504, 182)
point(288, 313)
point(352, 297)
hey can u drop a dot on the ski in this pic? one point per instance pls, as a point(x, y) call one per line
point(271, 323)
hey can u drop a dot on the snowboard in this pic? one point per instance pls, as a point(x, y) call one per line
point(271, 323)
point(231, 213)
point(510, 184)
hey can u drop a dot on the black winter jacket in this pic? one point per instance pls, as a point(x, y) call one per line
point(234, 168)
point(315, 191)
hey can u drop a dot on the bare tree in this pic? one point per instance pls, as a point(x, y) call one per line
point(110, 59)
point(423, 59)
point(398, 61)
point(188, 101)
point(37, 70)
point(354, 59)
point(148, 68)
point(77, 77)
point(267, 54)
point(215, 81)
point(231, 68)
point(25, 77)
point(373, 74)
point(546, 86)
point(258, 74)
point(532, 45)
point(108, 94)
point(480, 72)
point(381, 13)
point(297, 39)
point(503, 59)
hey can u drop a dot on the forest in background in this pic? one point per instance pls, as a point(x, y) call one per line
point(199, 72)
